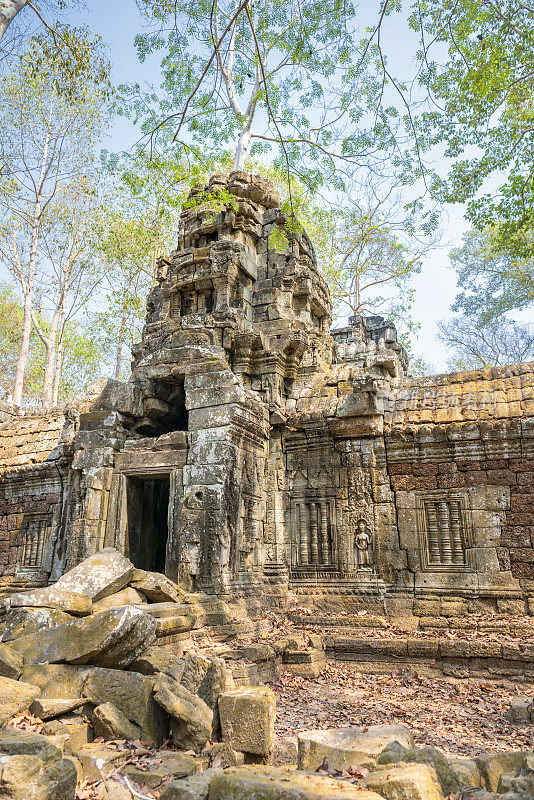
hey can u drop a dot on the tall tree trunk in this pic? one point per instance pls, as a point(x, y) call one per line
point(50, 342)
point(58, 372)
point(120, 343)
point(22, 361)
point(28, 281)
point(8, 11)
point(243, 146)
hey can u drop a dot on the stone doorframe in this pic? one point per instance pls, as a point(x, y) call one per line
point(159, 464)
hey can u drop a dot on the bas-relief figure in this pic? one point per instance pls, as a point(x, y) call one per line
point(288, 457)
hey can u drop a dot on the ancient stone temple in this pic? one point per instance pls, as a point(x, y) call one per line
point(257, 455)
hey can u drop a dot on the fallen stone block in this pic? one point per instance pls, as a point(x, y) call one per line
point(247, 720)
point(72, 729)
point(52, 707)
point(191, 719)
point(71, 600)
point(110, 724)
point(108, 639)
point(126, 597)
point(493, 765)
point(220, 755)
point(466, 771)
point(155, 659)
point(157, 587)
point(348, 747)
point(57, 681)
point(25, 621)
point(521, 710)
point(171, 618)
point(15, 696)
point(195, 787)
point(430, 756)
point(132, 694)
point(271, 783)
point(98, 760)
point(10, 663)
point(100, 575)
point(169, 766)
point(405, 782)
point(33, 769)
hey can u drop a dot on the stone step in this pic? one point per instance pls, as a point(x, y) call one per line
point(456, 657)
point(338, 621)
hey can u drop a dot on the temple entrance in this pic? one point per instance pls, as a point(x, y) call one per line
point(148, 521)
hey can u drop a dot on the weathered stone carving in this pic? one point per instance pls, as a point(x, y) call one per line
point(254, 454)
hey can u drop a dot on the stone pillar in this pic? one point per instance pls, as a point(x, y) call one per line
point(433, 534)
point(303, 532)
point(445, 533)
point(458, 554)
point(314, 550)
point(325, 544)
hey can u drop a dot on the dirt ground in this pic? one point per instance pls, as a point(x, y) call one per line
point(460, 717)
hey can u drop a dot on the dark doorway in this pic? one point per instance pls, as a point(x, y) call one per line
point(148, 528)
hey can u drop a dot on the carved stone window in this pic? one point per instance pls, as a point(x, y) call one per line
point(314, 529)
point(34, 536)
point(444, 532)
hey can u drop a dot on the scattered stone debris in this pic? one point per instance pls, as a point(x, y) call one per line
point(129, 696)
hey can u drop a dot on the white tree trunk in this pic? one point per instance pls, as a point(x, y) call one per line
point(8, 11)
point(28, 307)
point(50, 342)
point(243, 146)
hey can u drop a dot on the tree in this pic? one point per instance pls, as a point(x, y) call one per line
point(373, 262)
point(492, 282)
point(282, 76)
point(482, 109)
point(494, 344)
point(48, 140)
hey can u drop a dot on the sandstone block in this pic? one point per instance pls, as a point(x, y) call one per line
point(171, 618)
point(195, 787)
point(100, 575)
point(110, 723)
point(405, 782)
point(155, 659)
point(72, 729)
point(25, 621)
point(55, 681)
point(170, 766)
point(521, 710)
point(247, 719)
point(271, 783)
point(30, 767)
point(191, 719)
point(347, 747)
point(493, 765)
point(126, 597)
point(70, 600)
point(98, 760)
point(157, 587)
point(108, 639)
point(15, 696)
point(10, 663)
point(52, 707)
point(466, 771)
point(131, 694)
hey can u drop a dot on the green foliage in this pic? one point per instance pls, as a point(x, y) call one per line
point(290, 80)
point(492, 282)
point(483, 110)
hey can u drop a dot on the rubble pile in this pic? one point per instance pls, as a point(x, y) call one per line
point(106, 692)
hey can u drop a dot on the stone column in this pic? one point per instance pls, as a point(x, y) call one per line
point(444, 533)
point(303, 532)
point(458, 554)
point(433, 534)
point(325, 544)
point(314, 550)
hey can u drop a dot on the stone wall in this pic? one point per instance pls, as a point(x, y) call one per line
point(252, 454)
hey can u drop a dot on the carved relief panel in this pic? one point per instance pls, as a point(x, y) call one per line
point(444, 531)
